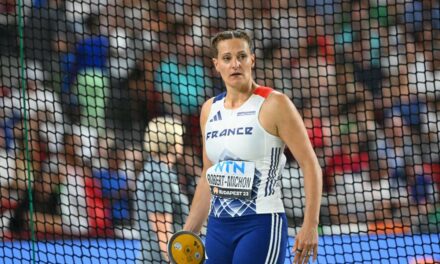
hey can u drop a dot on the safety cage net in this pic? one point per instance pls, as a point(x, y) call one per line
point(100, 142)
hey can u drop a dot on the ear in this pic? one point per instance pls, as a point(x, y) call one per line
point(253, 60)
point(215, 62)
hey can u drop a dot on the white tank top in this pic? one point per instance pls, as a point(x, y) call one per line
point(247, 160)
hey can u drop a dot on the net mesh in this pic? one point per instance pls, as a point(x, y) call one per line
point(100, 146)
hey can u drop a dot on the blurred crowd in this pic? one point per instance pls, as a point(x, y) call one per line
point(97, 76)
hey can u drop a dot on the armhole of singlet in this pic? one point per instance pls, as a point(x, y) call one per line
point(264, 92)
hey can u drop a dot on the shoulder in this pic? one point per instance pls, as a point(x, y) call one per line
point(278, 111)
point(274, 110)
point(275, 101)
point(206, 107)
point(271, 95)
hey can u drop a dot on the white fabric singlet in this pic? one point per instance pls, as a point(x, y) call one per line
point(237, 135)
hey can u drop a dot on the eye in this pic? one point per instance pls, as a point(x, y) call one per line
point(227, 58)
point(242, 56)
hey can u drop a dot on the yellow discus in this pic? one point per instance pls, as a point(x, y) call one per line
point(186, 247)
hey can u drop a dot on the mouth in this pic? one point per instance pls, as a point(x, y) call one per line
point(236, 74)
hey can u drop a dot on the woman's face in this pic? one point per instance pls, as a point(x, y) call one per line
point(234, 62)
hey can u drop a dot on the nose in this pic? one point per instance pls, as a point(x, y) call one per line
point(235, 63)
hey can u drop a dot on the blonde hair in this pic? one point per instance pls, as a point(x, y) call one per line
point(162, 133)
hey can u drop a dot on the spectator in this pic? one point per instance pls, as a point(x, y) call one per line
point(46, 214)
point(181, 75)
point(8, 179)
point(413, 16)
point(395, 148)
point(366, 47)
point(182, 80)
point(65, 201)
point(45, 29)
point(130, 165)
point(174, 11)
point(430, 131)
point(8, 150)
point(351, 155)
point(8, 27)
point(90, 71)
point(82, 207)
point(189, 169)
point(77, 12)
point(45, 134)
point(114, 184)
point(44, 114)
point(160, 204)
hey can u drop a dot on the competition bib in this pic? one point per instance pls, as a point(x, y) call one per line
point(232, 179)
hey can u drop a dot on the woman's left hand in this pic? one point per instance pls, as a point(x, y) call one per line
point(306, 244)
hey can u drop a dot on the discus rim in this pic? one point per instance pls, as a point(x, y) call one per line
point(183, 232)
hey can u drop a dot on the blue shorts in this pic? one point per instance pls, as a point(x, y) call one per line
point(249, 239)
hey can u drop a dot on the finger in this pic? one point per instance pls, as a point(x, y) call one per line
point(307, 256)
point(307, 253)
point(315, 253)
point(301, 258)
point(301, 254)
point(297, 253)
point(294, 251)
point(295, 246)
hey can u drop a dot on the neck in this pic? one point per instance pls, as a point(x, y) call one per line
point(247, 87)
point(235, 97)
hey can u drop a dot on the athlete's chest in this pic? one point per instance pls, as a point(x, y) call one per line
point(230, 124)
point(234, 134)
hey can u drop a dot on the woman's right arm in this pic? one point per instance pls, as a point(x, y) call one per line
point(202, 197)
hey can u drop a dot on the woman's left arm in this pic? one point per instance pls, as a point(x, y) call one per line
point(290, 128)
